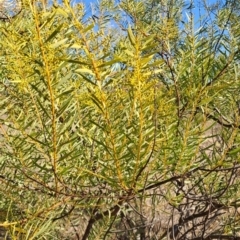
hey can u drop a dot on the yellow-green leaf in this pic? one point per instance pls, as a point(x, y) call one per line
point(84, 70)
point(131, 36)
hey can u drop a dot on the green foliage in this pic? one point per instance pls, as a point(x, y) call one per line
point(110, 123)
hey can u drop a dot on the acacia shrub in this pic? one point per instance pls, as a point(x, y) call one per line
point(105, 130)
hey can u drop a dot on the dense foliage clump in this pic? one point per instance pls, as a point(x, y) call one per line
point(120, 123)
